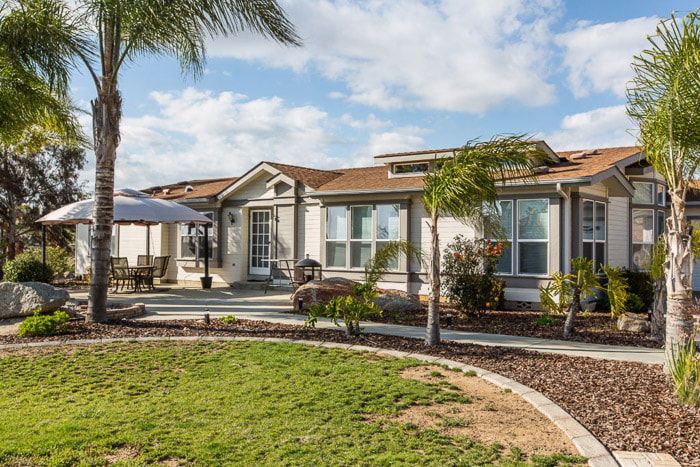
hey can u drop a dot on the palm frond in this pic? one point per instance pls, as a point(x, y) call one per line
point(380, 263)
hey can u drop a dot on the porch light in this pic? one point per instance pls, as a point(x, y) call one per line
point(231, 218)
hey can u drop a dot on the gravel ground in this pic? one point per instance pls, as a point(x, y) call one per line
point(628, 406)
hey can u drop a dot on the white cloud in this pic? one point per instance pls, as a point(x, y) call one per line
point(371, 122)
point(598, 128)
point(598, 56)
point(437, 54)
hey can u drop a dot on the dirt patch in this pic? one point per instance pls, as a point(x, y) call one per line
point(492, 416)
point(122, 454)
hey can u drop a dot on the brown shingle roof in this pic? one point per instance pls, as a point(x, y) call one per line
point(313, 178)
point(205, 188)
point(369, 178)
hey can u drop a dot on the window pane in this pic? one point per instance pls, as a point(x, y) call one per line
point(600, 222)
point(394, 262)
point(587, 222)
point(188, 247)
point(660, 223)
point(336, 224)
point(388, 222)
point(410, 168)
point(587, 250)
point(335, 254)
point(533, 219)
point(640, 256)
point(643, 192)
point(532, 258)
point(360, 253)
point(505, 209)
point(599, 254)
point(200, 244)
point(660, 194)
point(642, 226)
point(505, 264)
point(361, 223)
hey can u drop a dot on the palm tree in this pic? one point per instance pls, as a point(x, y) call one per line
point(103, 35)
point(465, 187)
point(664, 99)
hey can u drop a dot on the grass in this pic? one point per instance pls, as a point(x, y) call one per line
point(213, 403)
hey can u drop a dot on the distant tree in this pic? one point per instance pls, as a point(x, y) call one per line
point(33, 182)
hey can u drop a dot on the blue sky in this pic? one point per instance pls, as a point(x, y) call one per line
point(381, 76)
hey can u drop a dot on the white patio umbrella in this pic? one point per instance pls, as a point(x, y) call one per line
point(130, 207)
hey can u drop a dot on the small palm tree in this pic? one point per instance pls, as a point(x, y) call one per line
point(664, 99)
point(55, 37)
point(583, 284)
point(465, 187)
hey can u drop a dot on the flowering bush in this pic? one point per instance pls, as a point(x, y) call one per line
point(468, 274)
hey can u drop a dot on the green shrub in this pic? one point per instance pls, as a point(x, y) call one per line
point(685, 372)
point(351, 309)
point(26, 268)
point(545, 319)
point(229, 319)
point(61, 262)
point(44, 325)
point(640, 282)
point(468, 275)
point(635, 304)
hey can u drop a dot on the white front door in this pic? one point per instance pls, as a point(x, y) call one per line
point(259, 242)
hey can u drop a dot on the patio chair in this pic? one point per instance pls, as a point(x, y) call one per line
point(282, 274)
point(120, 272)
point(144, 260)
point(160, 268)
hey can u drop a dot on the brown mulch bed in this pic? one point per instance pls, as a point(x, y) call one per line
point(595, 327)
point(628, 406)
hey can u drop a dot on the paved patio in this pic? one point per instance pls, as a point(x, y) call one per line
point(192, 303)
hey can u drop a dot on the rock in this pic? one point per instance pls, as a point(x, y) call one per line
point(634, 322)
point(315, 292)
point(22, 298)
point(397, 302)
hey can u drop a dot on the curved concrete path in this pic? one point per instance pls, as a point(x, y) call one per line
point(587, 444)
point(191, 303)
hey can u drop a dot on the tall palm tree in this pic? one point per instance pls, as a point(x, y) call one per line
point(664, 99)
point(57, 36)
point(465, 187)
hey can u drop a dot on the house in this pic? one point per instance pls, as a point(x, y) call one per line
point(607, 204)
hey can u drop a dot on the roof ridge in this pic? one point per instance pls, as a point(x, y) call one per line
point(300, 167)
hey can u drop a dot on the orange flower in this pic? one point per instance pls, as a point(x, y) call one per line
point(500, 244)
point(463, 259)
point(488, 304)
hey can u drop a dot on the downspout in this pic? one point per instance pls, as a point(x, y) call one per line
point(565, 228)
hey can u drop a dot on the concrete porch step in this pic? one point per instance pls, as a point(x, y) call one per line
point(260, 285)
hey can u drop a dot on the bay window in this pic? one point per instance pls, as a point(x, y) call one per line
point(593, 232)
point(191, 244)
point(643, 193)
point(660, 194)
point(533, 236)
point(353, 241)
point(660, 223)
point(642, 236)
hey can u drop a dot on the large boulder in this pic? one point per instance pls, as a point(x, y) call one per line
point(634, 322)
point(315, 292)
point(22, 298)
point(397, 302)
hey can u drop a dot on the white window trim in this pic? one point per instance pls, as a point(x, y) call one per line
point(518, 241)
point(211, 238)
point(593, 240)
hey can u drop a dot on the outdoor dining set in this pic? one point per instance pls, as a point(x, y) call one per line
point(140, 277)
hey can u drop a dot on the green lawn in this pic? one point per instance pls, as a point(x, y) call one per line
point(212, 403)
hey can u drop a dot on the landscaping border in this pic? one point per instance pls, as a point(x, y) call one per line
point(587, 444)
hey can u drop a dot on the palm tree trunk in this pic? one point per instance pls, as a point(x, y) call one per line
point(432, 331)
point(573, 310)
point(679, 267)
point(106, 113)
point(658, 328)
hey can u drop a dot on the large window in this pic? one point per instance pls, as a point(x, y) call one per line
point(336, 236)
point(643, 193)
point(353, 241)
point(593, 232)
point(191, 243)
point(533, 236)
point(642, 236)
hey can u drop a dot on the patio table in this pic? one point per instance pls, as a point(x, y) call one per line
point(139, 274)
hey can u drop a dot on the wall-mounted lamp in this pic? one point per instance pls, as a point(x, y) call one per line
point(231, 218)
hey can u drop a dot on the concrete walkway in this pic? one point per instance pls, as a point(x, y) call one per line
point(191, 303)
